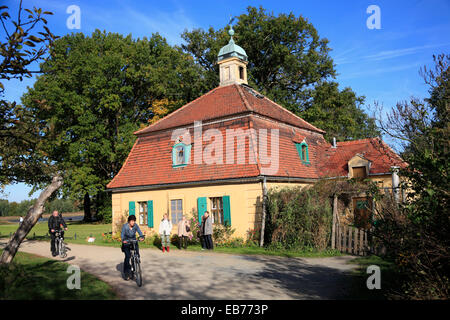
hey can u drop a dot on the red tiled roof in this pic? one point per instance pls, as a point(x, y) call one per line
point(334, 161)
point(290, 165)
point(298, 138)
point(150, 160)
point(225, 101)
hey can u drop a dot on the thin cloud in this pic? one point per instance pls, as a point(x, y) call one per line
point(168, 24)
point(389, 54)
point(367, 73)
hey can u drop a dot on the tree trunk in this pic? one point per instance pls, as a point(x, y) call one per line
point(87, 208)
point(32, 217)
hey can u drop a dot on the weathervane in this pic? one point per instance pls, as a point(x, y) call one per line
point(231, 31)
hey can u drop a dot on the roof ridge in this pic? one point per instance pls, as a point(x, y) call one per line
point(357, 141)
point(174, 112)
point(284, 109)
point(381, 141)
point(244, 99)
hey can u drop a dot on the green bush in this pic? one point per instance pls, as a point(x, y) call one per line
point(253, 237)
point(195, 227)
point(298, 218)
point(222, 234)
point(104, 208)
point(104, 214)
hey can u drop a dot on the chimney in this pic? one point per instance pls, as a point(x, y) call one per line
point(395, 183)
point(334, 143)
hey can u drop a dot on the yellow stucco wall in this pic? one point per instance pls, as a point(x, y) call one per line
point(245, 204)
point(279, 185)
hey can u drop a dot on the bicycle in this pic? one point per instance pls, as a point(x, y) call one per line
point(135, 264)
point(60, 245)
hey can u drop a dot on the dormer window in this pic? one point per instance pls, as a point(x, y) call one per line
point(302, 149)
point(180, 154)
point(359, 173)
point(304, 152)
point(359, 167)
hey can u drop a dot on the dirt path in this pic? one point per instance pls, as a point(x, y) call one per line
point(210, 275)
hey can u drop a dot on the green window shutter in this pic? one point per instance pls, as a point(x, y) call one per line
point(174, 155)
point(150, 213)
point(300, 153)
point(131, 207)
point(201, 207)
point(187, 154)
point(299, 150)
point(226, 210)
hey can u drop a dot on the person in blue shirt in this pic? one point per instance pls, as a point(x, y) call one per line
point(128, 233)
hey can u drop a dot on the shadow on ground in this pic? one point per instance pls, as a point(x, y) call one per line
point(210, 276)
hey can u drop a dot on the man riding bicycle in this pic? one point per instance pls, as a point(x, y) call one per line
point(54, 225)
point(129, 233)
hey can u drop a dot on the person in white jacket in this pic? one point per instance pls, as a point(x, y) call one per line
point(165, 228)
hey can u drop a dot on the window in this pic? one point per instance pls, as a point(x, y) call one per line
point(176, 211)
point(217, 210)
point(362, 212)
point(241, 73)
point(143, 213)
point(227, 73)
point(302, 149)
point(359, 172)
point(304, 152)
point(180, 154)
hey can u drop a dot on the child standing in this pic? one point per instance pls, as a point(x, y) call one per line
point(165, 228)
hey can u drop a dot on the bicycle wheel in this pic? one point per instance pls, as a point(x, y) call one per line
point(138, 272)
point(62, 249)
point(57, 246)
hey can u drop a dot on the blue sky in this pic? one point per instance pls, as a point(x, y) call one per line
point(381, 64)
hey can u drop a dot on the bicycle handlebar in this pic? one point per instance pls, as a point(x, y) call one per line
point(134, 240)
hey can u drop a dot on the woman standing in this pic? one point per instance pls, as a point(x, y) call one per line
point(165, 228)
point(200, 233)
point(188, 229)
point(207, 231)
point(183, 233)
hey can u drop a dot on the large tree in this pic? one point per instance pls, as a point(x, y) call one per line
point(339, 113)
point(95, 91)
point(26, 42)
point(416, 232)
point(290, 63)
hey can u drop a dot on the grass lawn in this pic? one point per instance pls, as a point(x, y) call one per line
point(84, 230)
point(263, 251)
point(388, 276)
point(31, 277)
point(81, 230)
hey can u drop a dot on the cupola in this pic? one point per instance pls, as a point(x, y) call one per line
point(232, 61)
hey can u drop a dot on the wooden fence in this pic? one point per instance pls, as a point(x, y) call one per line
point(351, 240)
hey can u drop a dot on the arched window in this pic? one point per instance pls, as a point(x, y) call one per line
point(180, 154)
point(304, 152)
point(302, 149)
